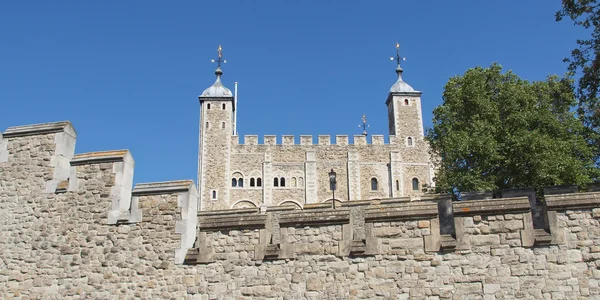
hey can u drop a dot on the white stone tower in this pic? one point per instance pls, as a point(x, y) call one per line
point(404, 109)
point(217, 107)
point(411, 163)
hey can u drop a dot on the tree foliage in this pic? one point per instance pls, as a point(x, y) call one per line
point(585, 61)
point(496, 131)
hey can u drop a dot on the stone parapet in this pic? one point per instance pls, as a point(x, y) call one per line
point(363, 224)
point(185, 211)
point(63, 136)
point(123, 208)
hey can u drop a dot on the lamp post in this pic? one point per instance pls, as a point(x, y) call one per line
point(332, 185)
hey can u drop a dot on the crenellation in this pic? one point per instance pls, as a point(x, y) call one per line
point(324, 140)
point(360, 140)
point(122, 165)
point(250, 139)
point(306, 140)
point(341, 140)
point(374, 141)
point(270, 140)
point(377, 139)
point(396, 140)
point(287, 140)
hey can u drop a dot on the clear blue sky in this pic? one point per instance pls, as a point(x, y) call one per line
point(127, 73)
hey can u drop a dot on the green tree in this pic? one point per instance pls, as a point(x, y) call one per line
point(496, 131)
point(585, 60)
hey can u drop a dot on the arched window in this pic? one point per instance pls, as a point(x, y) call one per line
point(207, 125)
point(224, 105)
point(258, 181)
point(301, 181)
point(233, 182)
point(214, 194)
point(294, 182)
point(374, 184)
point(251, 182)
point(397, 185)
point(405, 101)
point(223, 125)
point(275, 181)
point(282, 181)
point(241, 182)
point(208, 106)
point(409, 141)
point(415, 184)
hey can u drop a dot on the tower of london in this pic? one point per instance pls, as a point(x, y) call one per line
point(75, 226)
point(243, 174)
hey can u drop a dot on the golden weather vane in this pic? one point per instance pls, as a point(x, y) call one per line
point(398, 58)
point(364, 125)
point(220, 52)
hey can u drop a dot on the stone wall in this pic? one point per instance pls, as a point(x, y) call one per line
point(305, 167)
point(79, 230)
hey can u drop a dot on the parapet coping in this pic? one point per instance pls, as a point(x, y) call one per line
point(99, 157)
point(164, 187)
point(496, 206)
point(39, 129)
point(423, 209)
point(573, 201)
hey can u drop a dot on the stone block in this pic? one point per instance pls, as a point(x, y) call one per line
point(407, 243)
point(485, 240)
point(506, 226)
point(558, 233)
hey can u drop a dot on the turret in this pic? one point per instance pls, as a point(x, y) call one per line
point(217, 107)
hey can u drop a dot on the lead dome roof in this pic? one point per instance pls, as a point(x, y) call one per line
point(217, 89)
point(400, 86)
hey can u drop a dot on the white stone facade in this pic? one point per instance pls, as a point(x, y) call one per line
point(234, 174)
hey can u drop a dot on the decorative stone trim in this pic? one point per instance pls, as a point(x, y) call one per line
point(124, 208)
point(187, 202)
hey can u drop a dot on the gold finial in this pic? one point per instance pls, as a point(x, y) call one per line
point(219, 50)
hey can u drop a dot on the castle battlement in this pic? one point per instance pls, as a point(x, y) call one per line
point(75, 227)
point(322, 140)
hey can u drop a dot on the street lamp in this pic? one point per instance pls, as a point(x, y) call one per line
point(332, 185)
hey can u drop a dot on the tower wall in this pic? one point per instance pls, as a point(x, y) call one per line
point(216, 125)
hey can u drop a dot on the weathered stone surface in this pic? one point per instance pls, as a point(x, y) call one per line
point(60, 246)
